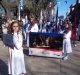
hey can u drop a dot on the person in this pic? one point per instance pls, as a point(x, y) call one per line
point(66, 42)
point(21, 25)
point(8, 20)
point(17, 56)
point(33, 27)
point(46, 30)
point(26, 27)
point(4, 28)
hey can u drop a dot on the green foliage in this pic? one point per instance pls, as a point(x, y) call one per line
point(28, 4)
point(35, 6)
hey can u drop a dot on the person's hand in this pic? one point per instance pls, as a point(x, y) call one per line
point(28, 32)
point(64, 33)
point(4, 45)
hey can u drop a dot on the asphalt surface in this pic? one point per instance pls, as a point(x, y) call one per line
point(44, 65)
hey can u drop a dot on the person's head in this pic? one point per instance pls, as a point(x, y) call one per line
point(4, 22)
point(68, 26)
point(45, 20)
point(14, 27)
point(32, 19)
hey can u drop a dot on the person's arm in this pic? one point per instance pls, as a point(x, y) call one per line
point(17, 40)
point(28, 29)
point(68, 35)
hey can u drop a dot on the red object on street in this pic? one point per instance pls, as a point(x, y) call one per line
point(74, 29)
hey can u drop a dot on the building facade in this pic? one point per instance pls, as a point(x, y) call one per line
point(74, 10)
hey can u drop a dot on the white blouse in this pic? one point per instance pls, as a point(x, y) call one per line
point(17, 40)
point(68, 35)
point(34, 28)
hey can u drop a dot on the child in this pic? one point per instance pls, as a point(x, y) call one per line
point(66, 41)
point(17, 57)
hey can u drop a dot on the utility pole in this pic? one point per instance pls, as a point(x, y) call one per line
point(19, 10)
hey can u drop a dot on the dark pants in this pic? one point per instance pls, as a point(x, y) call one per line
point(79, 37)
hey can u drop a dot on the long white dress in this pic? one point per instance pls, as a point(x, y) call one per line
point(66, 43)
point(17, 56)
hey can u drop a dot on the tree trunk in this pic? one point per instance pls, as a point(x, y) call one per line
point(7, 8)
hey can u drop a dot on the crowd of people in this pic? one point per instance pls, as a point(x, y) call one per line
point(21, 29)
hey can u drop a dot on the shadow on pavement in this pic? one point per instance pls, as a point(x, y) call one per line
point(1, 38)
point(26, 52)
point(48, 73)
point(3, 68)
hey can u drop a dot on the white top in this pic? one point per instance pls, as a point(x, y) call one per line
point(68, 35)
point(17, 40)
point(34, 28)
point(46, 31)
point(4, 28)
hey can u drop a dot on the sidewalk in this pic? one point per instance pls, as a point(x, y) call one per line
point(43, 65)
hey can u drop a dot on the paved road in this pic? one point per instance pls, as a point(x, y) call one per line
point(43, 65)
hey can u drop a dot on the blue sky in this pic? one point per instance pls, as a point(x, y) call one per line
point(63, 6)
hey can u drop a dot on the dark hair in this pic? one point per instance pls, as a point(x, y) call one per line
point(33, 16)
point(69, 26)
point(11, 25)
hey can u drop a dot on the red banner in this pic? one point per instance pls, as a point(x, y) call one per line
point(74, 29)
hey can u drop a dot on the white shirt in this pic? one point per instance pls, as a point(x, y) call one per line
point(17, 40)
point(68, 35)
point(45, 31)
point(4, 28)
point(34, 28)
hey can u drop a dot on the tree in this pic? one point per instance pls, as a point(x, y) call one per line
point(8, 6)
point(35, 6)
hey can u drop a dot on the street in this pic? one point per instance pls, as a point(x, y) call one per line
point(42, 65)
point(41, 17)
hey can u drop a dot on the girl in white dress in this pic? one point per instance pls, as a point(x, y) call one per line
point(17, 57)
point(66, 41)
